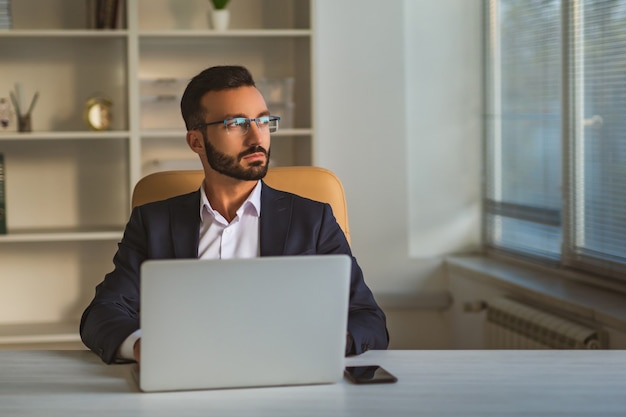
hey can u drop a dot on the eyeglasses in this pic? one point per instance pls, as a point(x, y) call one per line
point(241, 125)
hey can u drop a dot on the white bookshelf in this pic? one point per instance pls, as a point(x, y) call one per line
point(68, 188)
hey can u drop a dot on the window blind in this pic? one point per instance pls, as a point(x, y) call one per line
point(555, 174)
point(598, 186)
point(523, 201)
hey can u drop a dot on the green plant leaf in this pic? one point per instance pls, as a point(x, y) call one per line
point(219, 4)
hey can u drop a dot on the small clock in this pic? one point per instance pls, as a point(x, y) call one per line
point(98, 113)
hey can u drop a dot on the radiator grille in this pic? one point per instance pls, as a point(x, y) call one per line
point(513, 325)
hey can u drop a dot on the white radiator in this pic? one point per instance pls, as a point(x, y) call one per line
point(513, 325)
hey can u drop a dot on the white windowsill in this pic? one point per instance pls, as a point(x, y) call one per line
point(563, 290)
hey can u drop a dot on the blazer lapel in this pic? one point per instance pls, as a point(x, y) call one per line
point(185, 224)
point(274, 221)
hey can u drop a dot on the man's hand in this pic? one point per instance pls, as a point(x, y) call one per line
point(137, 350)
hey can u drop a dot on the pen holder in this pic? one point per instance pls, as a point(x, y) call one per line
point(24, 123)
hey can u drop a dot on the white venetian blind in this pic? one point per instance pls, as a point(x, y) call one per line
point(598, 34)
point(523, 212)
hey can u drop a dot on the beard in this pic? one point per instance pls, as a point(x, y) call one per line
point(229, 165)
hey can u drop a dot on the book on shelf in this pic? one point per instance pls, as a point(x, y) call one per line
point(3, 212)
point(105, 14)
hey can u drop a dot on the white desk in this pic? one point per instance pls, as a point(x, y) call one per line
point(431, 383)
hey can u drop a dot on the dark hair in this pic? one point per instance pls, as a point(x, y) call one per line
point(211, 79)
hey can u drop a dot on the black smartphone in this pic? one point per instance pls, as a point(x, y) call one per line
point(372, 374)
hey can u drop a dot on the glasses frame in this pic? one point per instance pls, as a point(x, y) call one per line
point(248, 122)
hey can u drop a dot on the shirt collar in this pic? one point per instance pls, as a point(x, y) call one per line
point(253, 202)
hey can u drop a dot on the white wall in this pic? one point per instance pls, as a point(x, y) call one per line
point(397, 117)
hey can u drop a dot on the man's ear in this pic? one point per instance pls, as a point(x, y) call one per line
point(195, 141)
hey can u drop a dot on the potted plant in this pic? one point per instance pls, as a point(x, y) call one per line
point(220, 15)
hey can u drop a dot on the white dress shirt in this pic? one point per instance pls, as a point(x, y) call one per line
point(220, 239)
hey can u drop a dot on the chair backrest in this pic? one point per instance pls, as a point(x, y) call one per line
point(307, 181)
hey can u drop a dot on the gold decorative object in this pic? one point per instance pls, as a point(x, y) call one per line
point(98, 114)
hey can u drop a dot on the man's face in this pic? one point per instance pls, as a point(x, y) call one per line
point(228, 151)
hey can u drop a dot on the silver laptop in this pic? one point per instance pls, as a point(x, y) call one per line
point(243, 322)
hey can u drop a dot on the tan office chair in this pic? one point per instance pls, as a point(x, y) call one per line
point(312, 182)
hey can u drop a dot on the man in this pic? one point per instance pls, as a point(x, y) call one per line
point(233, 215)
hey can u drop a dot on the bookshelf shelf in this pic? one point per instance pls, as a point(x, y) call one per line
point(70, 33)
point(201, 33)
point(63, 135)
point(61, 235)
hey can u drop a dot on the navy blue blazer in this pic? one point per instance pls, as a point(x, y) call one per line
point(289, 225)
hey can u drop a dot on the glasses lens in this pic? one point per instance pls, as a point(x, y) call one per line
point(268, 123)
point(238, 125)
point(241, 125)
point(263, 122)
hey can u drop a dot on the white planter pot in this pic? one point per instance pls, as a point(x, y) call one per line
point(220, 19)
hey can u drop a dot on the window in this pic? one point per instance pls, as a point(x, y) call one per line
point(555, 173)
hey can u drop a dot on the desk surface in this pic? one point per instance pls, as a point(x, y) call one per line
point(431, 383)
